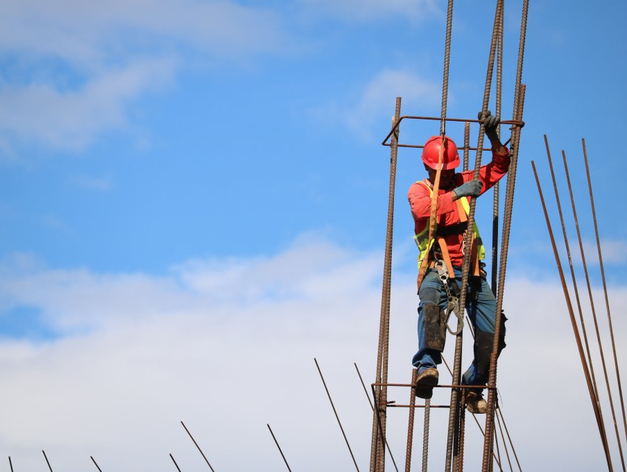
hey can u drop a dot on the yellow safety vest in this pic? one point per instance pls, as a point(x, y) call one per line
point(422, 238)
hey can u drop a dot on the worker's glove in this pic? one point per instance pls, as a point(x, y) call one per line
point(471, 188)
point(490, 122)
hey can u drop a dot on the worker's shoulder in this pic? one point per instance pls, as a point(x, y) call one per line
point(421, 185)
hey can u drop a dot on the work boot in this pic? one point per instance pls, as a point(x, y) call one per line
point(476, 403)
point(427, 379)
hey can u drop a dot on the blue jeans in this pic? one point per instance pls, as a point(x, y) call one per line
point(481, 309)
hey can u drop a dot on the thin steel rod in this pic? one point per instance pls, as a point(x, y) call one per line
point(279, 447)
point(594, 317)
point(410, 421)
point(361, 379)
point(607, 302)
point(10, 464)
point(505, 448)
point(573, 322)
point(336, 415)
point(95, 463)
point(377, 454)
point(499, 412)
point(572, 270)
point(498, 462)
point(47, 461)
point(175, 464)
point(197, 446)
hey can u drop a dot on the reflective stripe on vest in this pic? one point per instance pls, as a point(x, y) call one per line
point(422, 238)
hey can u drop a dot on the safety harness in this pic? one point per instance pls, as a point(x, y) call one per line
point(435, 250)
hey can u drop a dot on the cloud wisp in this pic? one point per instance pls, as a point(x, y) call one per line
point(73, 69)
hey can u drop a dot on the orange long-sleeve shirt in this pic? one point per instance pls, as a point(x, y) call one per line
point(446, 210)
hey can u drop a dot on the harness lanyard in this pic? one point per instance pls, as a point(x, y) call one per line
point(434, 207)
point(452, 305)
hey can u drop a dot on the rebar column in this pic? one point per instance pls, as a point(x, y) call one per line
point(377, 452)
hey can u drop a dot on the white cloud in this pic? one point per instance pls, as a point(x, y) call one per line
point(228, 345)
point(377, 98)
point(100, 184)
point(79, 65)
point(355, 10)
point(71, 119)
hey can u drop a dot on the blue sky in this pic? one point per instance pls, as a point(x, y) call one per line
point(200, 186)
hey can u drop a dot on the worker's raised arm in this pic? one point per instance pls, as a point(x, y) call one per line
point(490, 125)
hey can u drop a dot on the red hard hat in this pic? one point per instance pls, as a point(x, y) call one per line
point(431, 153)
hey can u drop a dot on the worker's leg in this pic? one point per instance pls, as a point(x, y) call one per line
point(431, 328)
point(481, 307)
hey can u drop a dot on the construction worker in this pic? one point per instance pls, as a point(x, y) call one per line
point(441, 259)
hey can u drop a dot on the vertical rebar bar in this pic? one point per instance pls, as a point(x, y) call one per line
point(387, 446)
point(410, 421)
point(425, 435)
point(447, 63)
point(453, 425)
point(377, 454)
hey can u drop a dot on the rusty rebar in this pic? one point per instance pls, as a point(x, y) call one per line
point(336, 415)
point(410, 421)
point(279, 448)
point(572, 270)
point(594, 317)
point(453, 425)
point(377, 454)
point(572, 319)
point(466, 152)
point(363, 384)
point(197, 446)
point(447, 63)
point(513, 123)
point(607, 302)
point(95, 463)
